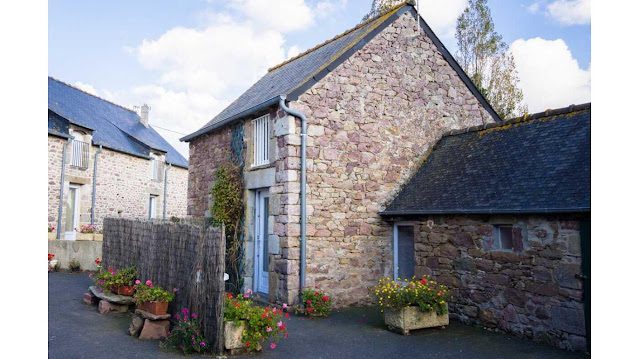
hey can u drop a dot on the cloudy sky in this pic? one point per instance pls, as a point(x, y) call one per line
point(189, 59)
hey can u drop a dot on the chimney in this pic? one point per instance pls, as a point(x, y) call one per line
point(144, 115)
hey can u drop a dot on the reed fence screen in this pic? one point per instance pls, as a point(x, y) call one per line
point(187, 256)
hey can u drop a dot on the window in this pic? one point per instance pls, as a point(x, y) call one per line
point(503, 237)
point(153, 199)
point(157, 168)
point(79, 154)
point(261, 135)
point(403, 250)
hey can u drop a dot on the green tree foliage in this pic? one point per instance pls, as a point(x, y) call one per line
point(379, 7)
point(484, 56)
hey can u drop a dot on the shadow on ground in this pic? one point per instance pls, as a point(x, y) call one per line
point(77, 330)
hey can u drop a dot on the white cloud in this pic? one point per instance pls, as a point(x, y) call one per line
point(442, 16)
point(570, 12)
point(86, 88)
point(326, 8)
point(550, 77)
point(534, 7)
point(282, 15)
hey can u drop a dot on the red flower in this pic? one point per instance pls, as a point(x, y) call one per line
point(98, 261)
point(326, 298)
point(248, 344)
point(423, 281)
point(286, 315)
point(308, 302)
point(229, 295)
point(51, 256)
point(316, 294)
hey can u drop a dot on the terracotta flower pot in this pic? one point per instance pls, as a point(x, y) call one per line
point(127, 290)
point(157, 308)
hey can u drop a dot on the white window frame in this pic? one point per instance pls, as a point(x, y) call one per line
point(396, 245)
point(261, 140)
point(156, 169)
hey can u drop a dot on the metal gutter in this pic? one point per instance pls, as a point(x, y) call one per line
point(302, 117)
point(270, 102)
point(64, 162)
point(95, 179)
point(166, 174)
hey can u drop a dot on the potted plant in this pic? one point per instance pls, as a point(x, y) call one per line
point(123, 281)
point(52, 262)
point(248, 326)
point(316, 303)
point(86, 232)
point(412, 303)
point(52, 233)
point(152, 299)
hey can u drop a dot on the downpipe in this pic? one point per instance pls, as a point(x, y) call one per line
point(58, 233)
point(302, 117)
point(166, 174)
point(95, 180)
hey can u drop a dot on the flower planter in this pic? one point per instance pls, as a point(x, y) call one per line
point(97, 236)
point(126, 290)
point(84, 236)
point(233, 334)
point(157, 308)
point(52, 264)
point(411, 318)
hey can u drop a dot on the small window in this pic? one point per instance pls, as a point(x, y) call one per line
point(261, 135)
point(153, 200)
point(79, 154)
point(503, 237)
point(404, 251)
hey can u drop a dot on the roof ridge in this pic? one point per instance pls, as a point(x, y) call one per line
point(96, 96)
point(338, 36)
point(520, 119)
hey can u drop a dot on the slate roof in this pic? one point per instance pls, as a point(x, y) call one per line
point(535, 164)
point(113, 126)
point(294, 76)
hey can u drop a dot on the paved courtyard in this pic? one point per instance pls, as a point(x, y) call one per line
point(77, 330)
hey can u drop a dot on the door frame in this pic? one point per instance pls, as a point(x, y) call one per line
point(396, 245)
point(71, 234)
point(260, 237)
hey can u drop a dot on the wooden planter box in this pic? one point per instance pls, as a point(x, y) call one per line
point(411, 318)
point(157, 308)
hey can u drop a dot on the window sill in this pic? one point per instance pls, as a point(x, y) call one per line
point(259, 167)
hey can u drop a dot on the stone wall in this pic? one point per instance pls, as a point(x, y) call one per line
point(371, 121)
point(532, 291)
point(206, 154)
point(85, 252)
point(123, 186)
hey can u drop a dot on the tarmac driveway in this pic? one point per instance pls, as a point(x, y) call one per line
point(77, 330)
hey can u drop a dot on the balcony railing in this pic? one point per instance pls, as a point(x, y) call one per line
point(79, 154)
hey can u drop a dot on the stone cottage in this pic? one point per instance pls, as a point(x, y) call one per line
point(106, 161)
point(373, 100)
point(501, 214)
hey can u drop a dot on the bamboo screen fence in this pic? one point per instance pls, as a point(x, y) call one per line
point(186, 256)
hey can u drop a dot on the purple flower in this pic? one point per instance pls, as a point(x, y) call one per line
point(194, 315)
point(185, 311)
point(202, 344)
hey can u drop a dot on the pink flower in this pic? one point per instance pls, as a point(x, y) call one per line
point(137, 281)
point(202, 344)
point(246, 295)
point(194, 315)
point(149, 283)
point(273, 345)
point(284, 306)
point(279, 324)
point(269, 329)
point(274, 310)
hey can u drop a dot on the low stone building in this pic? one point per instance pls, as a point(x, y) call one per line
point(501, 214)
point(106, 161)
point(375, 99)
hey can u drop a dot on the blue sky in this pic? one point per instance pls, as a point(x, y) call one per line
point(189, 59)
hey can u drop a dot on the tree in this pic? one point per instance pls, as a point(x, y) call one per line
point(485, 58)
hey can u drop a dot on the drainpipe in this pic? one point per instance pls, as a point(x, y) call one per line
point(95, 180)
point(302, 117)
point(166, 174)
point(58, 233)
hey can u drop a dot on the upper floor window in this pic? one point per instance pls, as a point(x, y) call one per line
point(261, 134)
point(79, 152)
point(157, 168)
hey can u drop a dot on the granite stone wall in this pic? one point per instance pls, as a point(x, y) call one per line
point(532, 291)
point(371, 122)
point(123, 185)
